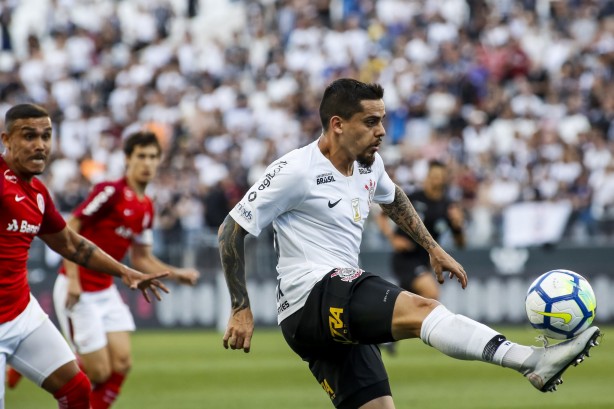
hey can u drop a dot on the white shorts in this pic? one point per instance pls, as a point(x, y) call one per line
point(97, 313)
point(32, 345)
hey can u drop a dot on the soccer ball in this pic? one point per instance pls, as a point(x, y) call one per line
point(561, 304)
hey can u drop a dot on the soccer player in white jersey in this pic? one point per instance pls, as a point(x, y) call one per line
point(28, 340)
point(332, 313)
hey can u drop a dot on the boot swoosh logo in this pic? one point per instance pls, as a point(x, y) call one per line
point(565, 316)
point(331, 205)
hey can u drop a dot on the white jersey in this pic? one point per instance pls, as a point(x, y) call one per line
point(318, 215)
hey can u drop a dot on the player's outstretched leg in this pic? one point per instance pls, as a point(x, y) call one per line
point(463, 338)
point(546, 365)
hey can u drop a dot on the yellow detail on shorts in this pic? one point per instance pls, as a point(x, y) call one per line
point(337, 328)
point(565, 316)
point(328, 389)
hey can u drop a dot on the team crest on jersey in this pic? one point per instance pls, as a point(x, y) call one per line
point(9, 176)
point(347, 274)
point(371, 189)
point(40, 201)
point(325, 178)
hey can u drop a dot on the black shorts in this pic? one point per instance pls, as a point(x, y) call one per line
point(346, 314)
point(409, 266)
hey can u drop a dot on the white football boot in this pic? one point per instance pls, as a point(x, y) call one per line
point(546, 365)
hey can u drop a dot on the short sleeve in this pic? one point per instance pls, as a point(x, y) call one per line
point(280, 189)
point(384, 192)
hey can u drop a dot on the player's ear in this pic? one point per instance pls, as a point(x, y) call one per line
point(336, 124)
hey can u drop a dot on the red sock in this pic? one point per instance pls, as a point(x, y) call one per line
point(75, 394)
point(104, 394)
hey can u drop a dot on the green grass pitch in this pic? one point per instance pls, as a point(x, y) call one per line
point(191, 370)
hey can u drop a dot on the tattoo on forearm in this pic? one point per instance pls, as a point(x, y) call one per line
point(231, 240)
point(83, 253)
point(402, 212)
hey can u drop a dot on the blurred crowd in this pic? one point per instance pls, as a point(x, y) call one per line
point(517, 97)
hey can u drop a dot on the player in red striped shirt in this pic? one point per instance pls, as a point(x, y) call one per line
point(118, 217)
point(29, 342)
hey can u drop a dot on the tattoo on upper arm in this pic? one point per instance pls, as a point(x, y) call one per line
point(402, 212)
point(231, 241)
point(83, 253)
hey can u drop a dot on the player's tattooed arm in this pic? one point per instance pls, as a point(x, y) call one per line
point(83, 252)
point(231, 237)
point(402, 212)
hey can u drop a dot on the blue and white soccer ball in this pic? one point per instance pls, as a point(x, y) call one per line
point(561, 304)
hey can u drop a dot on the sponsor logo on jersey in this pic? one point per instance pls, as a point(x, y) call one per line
point(244, 211)
point(252, 196)
point(40, 201)
point(333, 204)
point(347, 274)
point(266, 179)
point(101, 198)
point(23, 227)
point(338, 329)
point(281, 305)
point(364, 170)
point(8, 175)
point(325, 178)
point(331, 393)
point(124, 232)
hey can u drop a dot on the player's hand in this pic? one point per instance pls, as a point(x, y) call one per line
point(240, 329)
point(73, 294)
point(145, 282)
point(442, 261)
point(187, 276)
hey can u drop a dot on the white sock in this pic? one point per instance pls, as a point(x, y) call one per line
point(463, 338)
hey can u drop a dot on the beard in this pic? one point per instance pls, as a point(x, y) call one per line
point(366, 160)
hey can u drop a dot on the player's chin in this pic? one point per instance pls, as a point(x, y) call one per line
point(367, 158)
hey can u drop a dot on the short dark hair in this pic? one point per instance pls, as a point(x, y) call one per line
point(343, 98)
point(141, 138)
point(23, 111)
point(435, 163)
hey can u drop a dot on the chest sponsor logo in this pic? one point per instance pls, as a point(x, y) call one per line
point(19, 198)
point(325, 178)
point(23, 227)
point(270, 175)
point(124, 232)
point(364, 170)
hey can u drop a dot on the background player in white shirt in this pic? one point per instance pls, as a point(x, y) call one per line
point(28, 340)
point(331, 312)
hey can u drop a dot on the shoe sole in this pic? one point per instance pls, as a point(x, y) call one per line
point(552, 383)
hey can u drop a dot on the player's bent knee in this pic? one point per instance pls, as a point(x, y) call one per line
point(409, 312)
